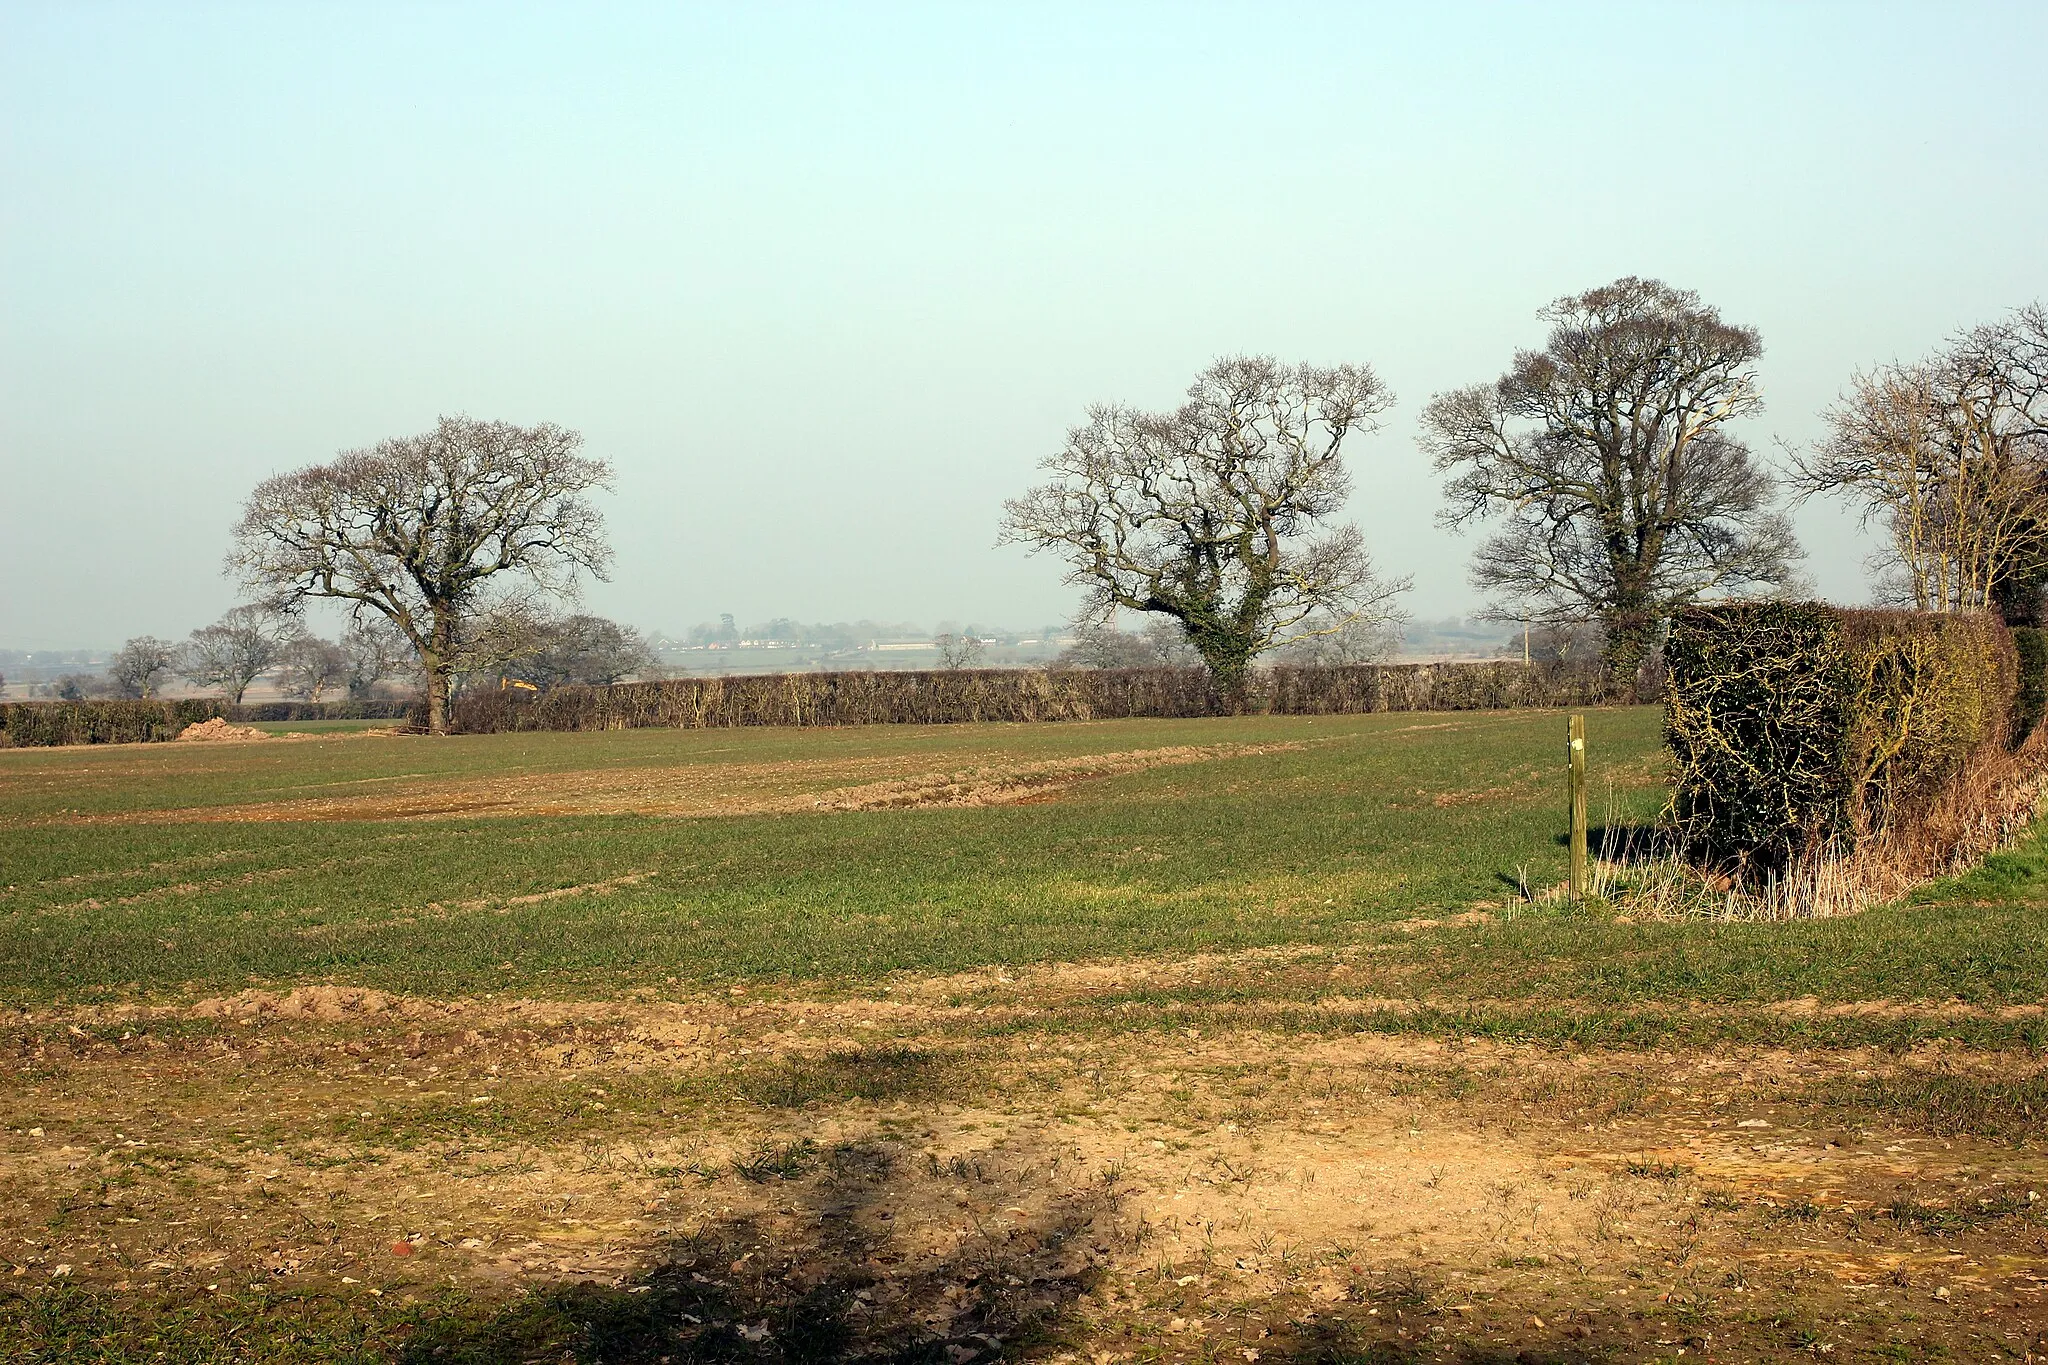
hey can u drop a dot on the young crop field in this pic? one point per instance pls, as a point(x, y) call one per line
point(1221, 1040)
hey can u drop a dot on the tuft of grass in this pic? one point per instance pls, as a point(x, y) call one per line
point(1406, 1289)
point(871, 1074)
point(1965, 1214)
point(2011, 1106)
point(776, 1161)
point(1799, 1211)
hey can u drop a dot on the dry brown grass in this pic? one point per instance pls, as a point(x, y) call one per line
point(1196, 1189)
point(1989, 806)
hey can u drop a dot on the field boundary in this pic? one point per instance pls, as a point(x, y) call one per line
point(947, 697)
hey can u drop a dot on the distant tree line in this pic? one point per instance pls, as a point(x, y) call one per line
point(784, 631)
point(370, 659)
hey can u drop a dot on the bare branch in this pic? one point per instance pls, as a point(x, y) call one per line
point(1950, 455)
point(1218, 515)
point(427, 531)
point(1606, 458)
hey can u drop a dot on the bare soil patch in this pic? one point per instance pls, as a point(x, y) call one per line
point(919, 1165)
point(703, 789)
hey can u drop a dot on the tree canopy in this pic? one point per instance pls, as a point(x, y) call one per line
point(1219, 514)
point(434, 533)
point(1608, 460)
point(1950, 455)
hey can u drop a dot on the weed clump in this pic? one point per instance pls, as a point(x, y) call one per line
point(871, 1074)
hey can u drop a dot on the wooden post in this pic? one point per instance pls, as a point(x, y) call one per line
point(1577, 754)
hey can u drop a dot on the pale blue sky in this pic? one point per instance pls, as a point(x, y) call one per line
point(825, 282)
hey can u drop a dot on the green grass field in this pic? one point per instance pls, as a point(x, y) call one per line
point(121, 881)
point(1361, 820)
point(319, 727)
point(1150, 1041)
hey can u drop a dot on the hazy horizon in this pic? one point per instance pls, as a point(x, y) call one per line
point(825, 284)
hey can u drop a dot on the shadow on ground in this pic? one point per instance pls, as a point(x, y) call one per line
point(839, 1275)
point(843, 1272)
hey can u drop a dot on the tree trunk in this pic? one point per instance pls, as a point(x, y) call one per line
point(1630, 636)
point(1229, 661)
point(438, 664)
point(437, 697)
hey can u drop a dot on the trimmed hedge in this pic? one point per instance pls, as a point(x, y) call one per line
point(35, 723)
point(377, 708)
point(40, 723)
point(1798, 727)
point(1352, 689)
point(1014, 694)
point(1933, 690)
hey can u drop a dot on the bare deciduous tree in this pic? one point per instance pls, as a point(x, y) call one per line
point(1607, 452)
point(1356, 643)
point(1169, 644)
point(428, 531)
point(582, 649)
point(1218, 514)
point(78, 687)
point(957, 651)
point(140, 664)
point(1558, 643)
point(310, 667)
point(376, 653)
point(236, 650)
point(1951, 455)
point(1099, 644)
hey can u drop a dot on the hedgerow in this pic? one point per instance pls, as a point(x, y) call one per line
point(969, 695)
point(375, 708)
point(36, 723)
point(1801, 729)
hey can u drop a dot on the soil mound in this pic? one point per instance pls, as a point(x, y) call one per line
point(306, 1002)
point(217, 728)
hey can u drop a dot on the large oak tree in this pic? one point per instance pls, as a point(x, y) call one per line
point(1219, 514)
point(1608, 460)
point(434, 533)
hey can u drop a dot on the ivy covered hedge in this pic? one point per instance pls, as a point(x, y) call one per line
point(26, 723)
point(1799, 727)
